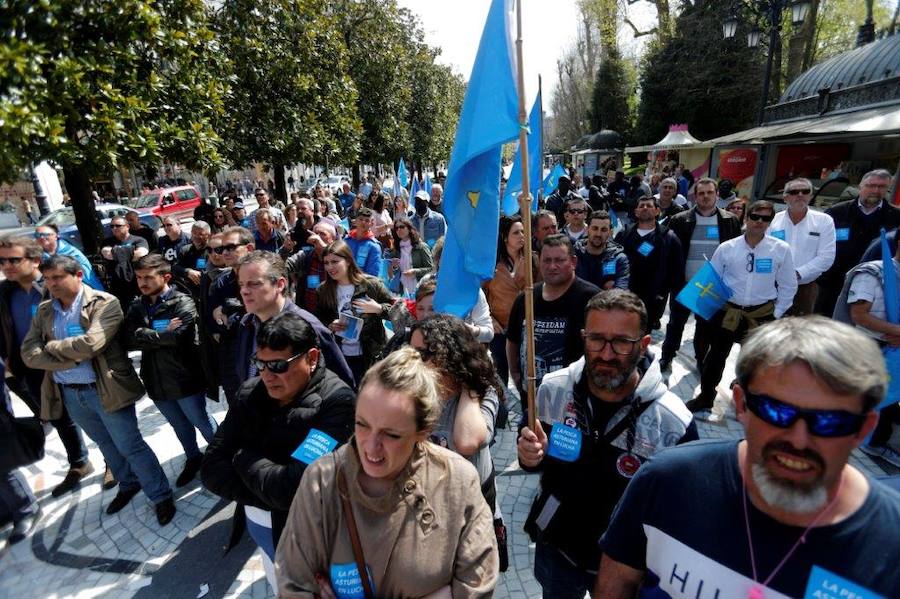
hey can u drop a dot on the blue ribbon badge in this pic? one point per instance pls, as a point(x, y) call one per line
point(645, 248)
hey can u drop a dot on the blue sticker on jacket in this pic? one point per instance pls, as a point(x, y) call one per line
point(823, 584)
point(842, 234)
point(645, 248)
point(346, 582)
point(74, 330)
point(312, 282)
point(34, 308)
point(565, 443)
point(764, 265)
point(779, 234)
point(609, 268)
point(314, 446)
point(161, 324)
point(201, 263)
point(712, 232)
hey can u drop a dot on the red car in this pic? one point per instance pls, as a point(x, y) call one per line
point(170, 201)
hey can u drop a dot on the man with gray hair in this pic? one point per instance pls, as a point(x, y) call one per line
point(856, 223)
point(733, 516)
point(436, 202)
point(670, 201)
point(193, 257)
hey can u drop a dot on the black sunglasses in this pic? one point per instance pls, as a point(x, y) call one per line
point(766, 218)
point(274, 366)
point(822, 423)
point(799, 191)
point(227, 248)
point(14, 260)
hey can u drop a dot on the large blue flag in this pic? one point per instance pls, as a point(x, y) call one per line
point(426, 185)
point(415, 186)
point(705, 293)
point(552, 180)
point(489, 118)
point(535, 164)
point(402, 174)
point(892, 312)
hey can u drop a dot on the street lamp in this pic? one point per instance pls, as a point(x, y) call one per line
point(772, 11)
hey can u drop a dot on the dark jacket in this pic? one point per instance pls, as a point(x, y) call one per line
point(249, 459)
point(9, 349)
point(661, 271)
point(422, 263)
point(330, 350)
point(372, 337)
point(684, 223)
point(190, 258)
point(170, 249)
point(556, 203)
point(611, 265)
point(860, 231)
point(170, 360)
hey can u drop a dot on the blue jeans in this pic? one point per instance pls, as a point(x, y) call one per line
point(184, 414)
point(16, 499)
point(129, 457)
point(559, 579)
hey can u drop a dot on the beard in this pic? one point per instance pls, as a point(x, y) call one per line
point(615, 381)
point(787, 495)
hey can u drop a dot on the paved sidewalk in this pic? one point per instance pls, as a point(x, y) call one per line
point(79, 551)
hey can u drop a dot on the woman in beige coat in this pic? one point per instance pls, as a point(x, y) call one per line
point(424, 527)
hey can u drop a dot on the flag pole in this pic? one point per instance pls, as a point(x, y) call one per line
point(540, 192)
point(525, 211)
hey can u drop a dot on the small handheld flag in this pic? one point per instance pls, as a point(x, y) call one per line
point(705, 293)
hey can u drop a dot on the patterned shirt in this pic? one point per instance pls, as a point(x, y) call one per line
point(67, 323)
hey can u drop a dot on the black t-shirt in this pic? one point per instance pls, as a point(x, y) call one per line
point(557, 327)
point(682, 520)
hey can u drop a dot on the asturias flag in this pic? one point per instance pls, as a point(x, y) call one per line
point(705, 293)
point(402, 174)
point(489, 118)
point(535, 165)
point(552, 180)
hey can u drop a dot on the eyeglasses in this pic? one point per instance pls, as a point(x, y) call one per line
point(14, 261)
point(398, 227)
point(43, 235)
point(620, 345)
point(766, 218)
point(274, 366)
point(798, 191)
point(575, 211)
point(821, 423)
point(118, 226)
point(750, 259)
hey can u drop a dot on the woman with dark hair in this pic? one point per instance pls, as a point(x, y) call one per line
point(347, 295)
point(401, 206)
point(381, 225)
point(410, 257)
point(221, 220)
point(508, 282)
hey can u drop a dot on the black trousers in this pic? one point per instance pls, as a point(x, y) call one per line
point(721, 341)
point(28, 388)
point(678, 317)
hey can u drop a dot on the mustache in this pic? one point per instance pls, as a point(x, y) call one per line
point(787, 448)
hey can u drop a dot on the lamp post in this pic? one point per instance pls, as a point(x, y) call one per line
point(770, 11)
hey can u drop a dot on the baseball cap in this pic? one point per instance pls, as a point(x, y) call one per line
point(422, 195)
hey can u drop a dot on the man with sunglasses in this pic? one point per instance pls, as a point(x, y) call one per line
point(262, 280)
point(576, 213)
point(558, 201)
point(262, 197)
point(294, 411)
point(781, 513)
point(120, 250)
point(811, 237)
point(856, 223)
point(600, 418)
point(759, 270)
point(170, 244)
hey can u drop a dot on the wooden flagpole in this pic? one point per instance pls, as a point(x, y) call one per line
point(525, 211)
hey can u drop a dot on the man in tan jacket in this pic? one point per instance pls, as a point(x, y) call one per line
point(72, 338)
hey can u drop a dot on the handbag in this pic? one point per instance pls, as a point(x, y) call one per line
point(22, 444)
point(358, 556)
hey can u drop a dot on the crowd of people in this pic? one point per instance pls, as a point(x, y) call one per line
point(359, 420)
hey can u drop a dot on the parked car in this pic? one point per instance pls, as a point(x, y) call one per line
point(64, 219)
point(170, 201)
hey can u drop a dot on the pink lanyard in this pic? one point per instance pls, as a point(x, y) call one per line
point(756, 592)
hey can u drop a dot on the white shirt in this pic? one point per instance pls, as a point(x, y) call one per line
point(812, 242)
point(771, 276)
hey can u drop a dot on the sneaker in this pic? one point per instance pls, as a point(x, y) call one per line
point(887, 454)
point(23, 527)
point(121, 499)
point(191, 468)
point(165, 511)
point(109, 481)
point(72, 480)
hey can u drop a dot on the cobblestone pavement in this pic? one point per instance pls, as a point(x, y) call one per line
point(79, 551)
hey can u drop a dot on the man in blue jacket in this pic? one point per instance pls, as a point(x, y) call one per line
point(366, 249)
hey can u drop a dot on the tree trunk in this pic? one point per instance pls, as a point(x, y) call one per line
point(809, 54)
point(280, 187)
point(664, 17)
point(356, 175)
point(78, 187)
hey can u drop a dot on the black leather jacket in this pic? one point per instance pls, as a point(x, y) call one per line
point(170, 360)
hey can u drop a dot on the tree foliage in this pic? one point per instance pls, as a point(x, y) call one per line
point(92, 85)
point(610, 106)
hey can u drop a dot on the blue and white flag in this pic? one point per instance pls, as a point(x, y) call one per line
point(426, 185)
point(892, 313)
point(552, 181)
point(489, 119)
point(415, 186)
point(535, 165)
point(705, 293)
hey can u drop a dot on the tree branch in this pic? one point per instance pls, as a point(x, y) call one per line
point(638, 32)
